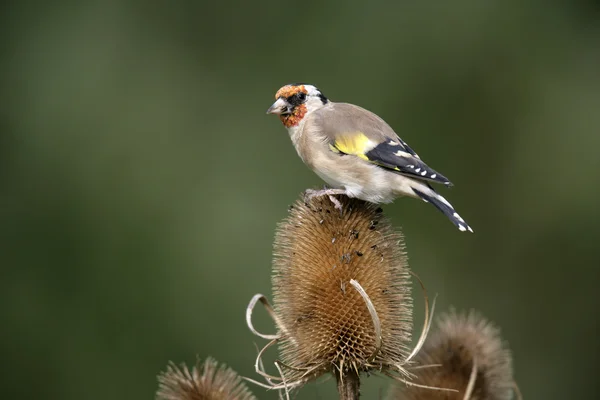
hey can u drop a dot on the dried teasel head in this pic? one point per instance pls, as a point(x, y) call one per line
point(465, 353)
point(341, 292)
point(205, 381)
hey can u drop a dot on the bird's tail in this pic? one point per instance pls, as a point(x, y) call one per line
point(429, 195)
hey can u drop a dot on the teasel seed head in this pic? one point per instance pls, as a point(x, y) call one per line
point(465, 353)
point(207, 381)
point(341, 290)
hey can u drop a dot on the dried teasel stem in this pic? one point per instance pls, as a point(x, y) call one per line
point(348, 384)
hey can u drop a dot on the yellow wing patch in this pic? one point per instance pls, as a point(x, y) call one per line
point(355, 143)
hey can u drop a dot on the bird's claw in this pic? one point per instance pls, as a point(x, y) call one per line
point(309, 194)
point(336, 204)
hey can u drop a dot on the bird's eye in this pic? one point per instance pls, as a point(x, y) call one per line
point(301, 96)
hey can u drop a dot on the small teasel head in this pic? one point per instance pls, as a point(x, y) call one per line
point(466, 353)
point(206, 381)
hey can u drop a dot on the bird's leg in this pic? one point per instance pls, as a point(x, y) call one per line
point(310, 193)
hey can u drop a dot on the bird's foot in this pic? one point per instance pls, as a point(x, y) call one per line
point(336, 203)
point(311, 193)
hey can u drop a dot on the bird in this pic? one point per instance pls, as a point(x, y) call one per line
point(356, 152)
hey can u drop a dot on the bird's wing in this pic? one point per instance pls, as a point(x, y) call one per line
point(352, 130)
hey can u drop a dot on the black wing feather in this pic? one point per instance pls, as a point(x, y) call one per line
point(397, 156)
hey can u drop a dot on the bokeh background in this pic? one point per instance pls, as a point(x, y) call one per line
point(141, 181)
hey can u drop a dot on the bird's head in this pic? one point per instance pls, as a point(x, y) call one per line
point(295, 101)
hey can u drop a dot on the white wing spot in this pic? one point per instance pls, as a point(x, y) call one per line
point(469, 228)
point(461, 228)
point(458, 217)
point(433, 176)
point(417, 170)
point(411, 166)
point(423, 173)
point(392, 143)
point(401, 153)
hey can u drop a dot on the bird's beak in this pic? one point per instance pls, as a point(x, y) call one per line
point(279, 107)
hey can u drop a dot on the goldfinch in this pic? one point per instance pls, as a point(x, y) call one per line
point(355, 152)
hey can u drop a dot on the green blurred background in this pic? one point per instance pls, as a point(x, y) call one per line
point(141, 181)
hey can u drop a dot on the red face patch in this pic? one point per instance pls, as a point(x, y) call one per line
point(295, 117)
point(289, 90)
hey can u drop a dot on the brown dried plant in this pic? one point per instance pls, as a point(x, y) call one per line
point(465, 353)
point(341, 286)
point(205, 381)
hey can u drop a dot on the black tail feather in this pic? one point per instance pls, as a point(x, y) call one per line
point(446, 209)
